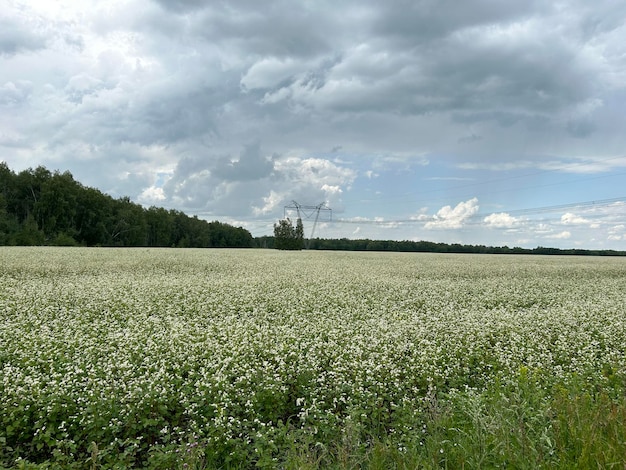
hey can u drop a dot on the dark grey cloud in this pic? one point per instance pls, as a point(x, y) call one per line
point(418, 23)
point(580, 128)
point(486, 60)
point(182, 6)
point(226, 65)
point(277, 28)
point(222, 184)
point(232, 107)
point(250, 165)
point(175, 116)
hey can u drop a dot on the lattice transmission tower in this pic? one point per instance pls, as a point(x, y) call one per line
point(308, 213)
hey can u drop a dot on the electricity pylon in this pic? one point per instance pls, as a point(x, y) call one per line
point(307, 212)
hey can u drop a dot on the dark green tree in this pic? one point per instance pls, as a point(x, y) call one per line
point(300, 232)
point(55, 209)
point(8, 223)
point(29, 234)
point(160, 227)
point(38, 207)
point(93, 209)
point(127, 226)
point(288, 237)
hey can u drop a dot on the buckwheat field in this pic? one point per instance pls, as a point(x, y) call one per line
point(184, 358)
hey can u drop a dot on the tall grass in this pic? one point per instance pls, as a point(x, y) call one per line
point(518, 426)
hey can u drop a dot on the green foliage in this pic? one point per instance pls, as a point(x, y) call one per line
point(63, 239)
point(29, 234)
point(288, 237)
point(38, 207)
point(520, 425)
point(4, 219)
point(299, 231)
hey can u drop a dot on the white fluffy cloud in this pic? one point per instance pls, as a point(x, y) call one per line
point(572, 219)
point(152, 196)
point(501, 220)
point(453, 218)
point(617, 232)
point(564, 235)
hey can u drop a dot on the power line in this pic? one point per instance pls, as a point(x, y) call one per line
point(598, 203)
point(586, 204)
point(413, 194)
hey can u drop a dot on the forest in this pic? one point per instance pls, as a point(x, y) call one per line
point(40, 207)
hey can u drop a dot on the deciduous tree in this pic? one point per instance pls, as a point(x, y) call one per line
point(288, 237)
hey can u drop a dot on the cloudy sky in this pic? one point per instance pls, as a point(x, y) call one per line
point(481, 121)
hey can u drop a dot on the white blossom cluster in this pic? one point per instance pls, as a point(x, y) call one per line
point(135, 349)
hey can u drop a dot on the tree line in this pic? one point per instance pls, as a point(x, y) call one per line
point(345, 244)
point(40, 207)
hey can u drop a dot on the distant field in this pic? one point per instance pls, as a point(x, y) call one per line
point(199, 358)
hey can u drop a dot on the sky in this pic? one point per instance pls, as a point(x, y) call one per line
point(475, 122)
